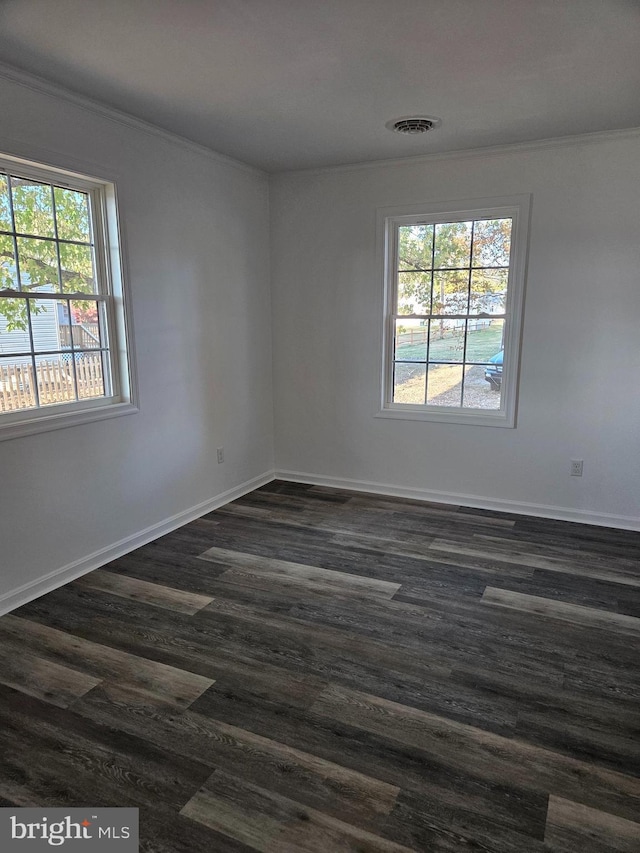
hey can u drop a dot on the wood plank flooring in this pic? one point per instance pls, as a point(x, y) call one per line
point(310, 669)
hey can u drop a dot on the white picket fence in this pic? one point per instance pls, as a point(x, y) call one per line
point(54, 379)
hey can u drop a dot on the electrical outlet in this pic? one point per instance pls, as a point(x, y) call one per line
point(576, 468)
point(220, 455)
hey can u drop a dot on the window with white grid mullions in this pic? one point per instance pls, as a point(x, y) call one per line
point(454, 301)
point(60, 333)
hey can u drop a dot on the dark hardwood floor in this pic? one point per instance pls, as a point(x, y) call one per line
point(308, 669)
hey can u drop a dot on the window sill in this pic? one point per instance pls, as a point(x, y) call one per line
point(448, 416)
point(32, 423)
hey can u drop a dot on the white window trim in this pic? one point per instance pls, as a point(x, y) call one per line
point(110, 261)
point(388, 218)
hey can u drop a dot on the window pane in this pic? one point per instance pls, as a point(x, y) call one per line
point(484, 339)
point(453, 244)
point(492, 242)
point(50, 325)
point(414, 292)
point(409, 383)
point(446, 342)
point(449, 285)
point(411, 340)
point(8, 274)
point(72, 215)
point(489, 291)
point(89, 374)
point(32, 207)
point(5, 210)
point(16, 384)
point(478, 392)
point(78, 274)
point(85, 324)
point(450, 292)
point(62, 318)
point(14, 326)
point(415, 244)
point(56, 379)
point(444, 385)
point(38, 264)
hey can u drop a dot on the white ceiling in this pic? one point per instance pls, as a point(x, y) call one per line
point(287, 84)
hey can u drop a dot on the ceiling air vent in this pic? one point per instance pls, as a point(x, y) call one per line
point(413, 124)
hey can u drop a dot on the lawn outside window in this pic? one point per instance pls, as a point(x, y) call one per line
point(454, 292)
point(63, 326)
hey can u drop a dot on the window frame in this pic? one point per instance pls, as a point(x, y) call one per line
point(515, 207)
point(111, 291)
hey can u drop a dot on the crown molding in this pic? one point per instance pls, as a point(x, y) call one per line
point(45, 87)
point(593, 138)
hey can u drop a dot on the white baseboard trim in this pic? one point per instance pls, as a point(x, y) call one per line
point(34, 589)
point(557, 513)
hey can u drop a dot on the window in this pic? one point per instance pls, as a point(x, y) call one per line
point(63, 354)
point(454, 281)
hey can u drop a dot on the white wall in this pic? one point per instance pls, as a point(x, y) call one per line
point(196, 238)
point(580, 373)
